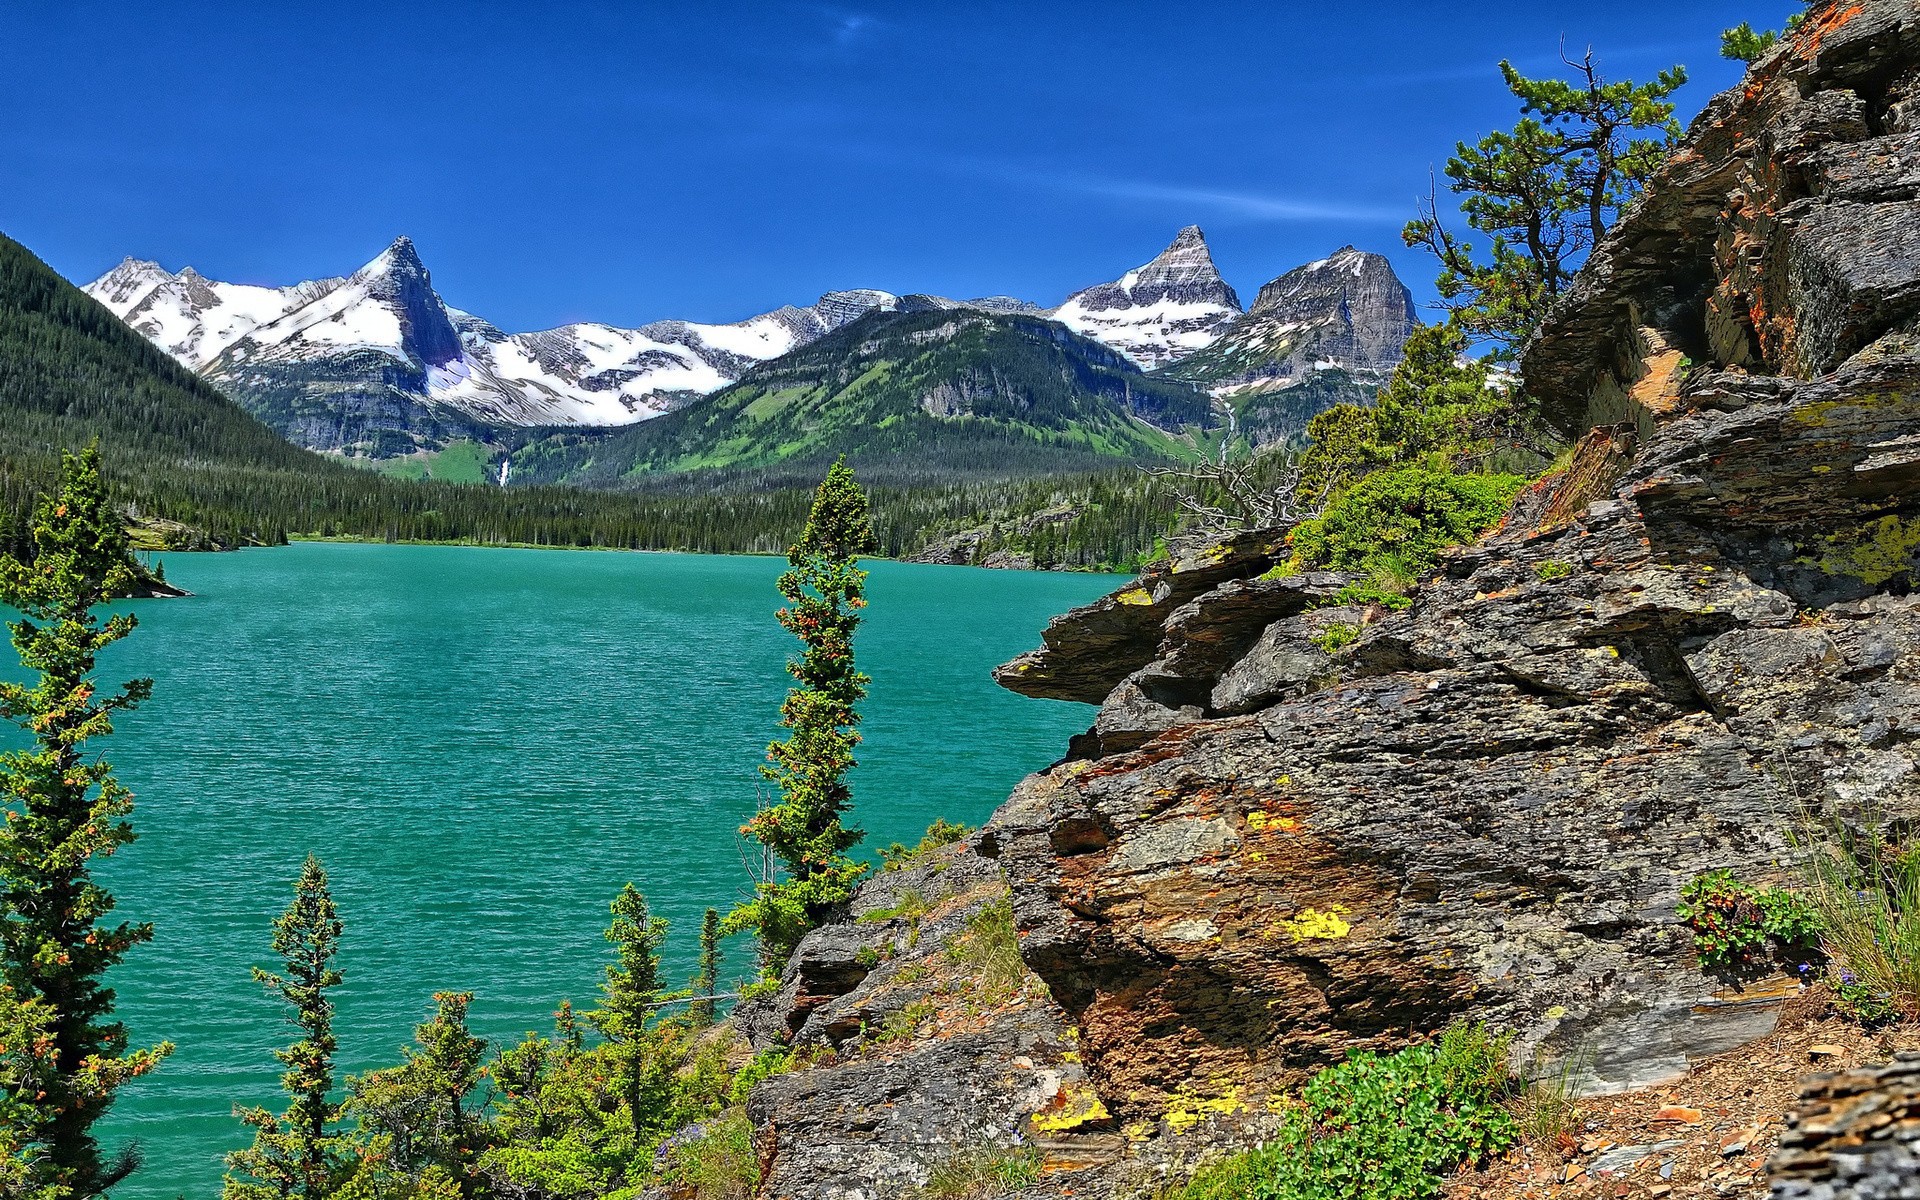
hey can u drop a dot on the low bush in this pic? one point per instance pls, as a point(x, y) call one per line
point(1335, 636)
point(1379, 1127)
point(1736, 924)
point(941, 833)
point(720, 1164)
point(1398, 520)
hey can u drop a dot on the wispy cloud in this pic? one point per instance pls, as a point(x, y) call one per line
point(1241, 204)
point(1189, 200)
point(852, 27)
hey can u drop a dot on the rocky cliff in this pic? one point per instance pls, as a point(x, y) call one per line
point(1274, 845)
point(1265, 854)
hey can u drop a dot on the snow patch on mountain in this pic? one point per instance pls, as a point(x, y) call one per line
point(582, 374)
point(1159, 312)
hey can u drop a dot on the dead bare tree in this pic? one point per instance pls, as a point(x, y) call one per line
point(1223, 493)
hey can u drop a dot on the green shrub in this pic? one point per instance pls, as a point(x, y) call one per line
point(941, 833)
point(764, 1065)
point(910, 907)
point(1399, 520)
point(1335, 636)
point(1384, 587)
point(982, 1172)
point(1379, 1127)
point(1553, 568)
point(1735, 924)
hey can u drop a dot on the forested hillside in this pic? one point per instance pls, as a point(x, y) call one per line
point(71, 372)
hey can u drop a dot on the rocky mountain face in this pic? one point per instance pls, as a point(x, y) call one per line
point(1274, 846)
point(1156, 313)
point(1348, 310)
point(378, 363)
point(1322, 334)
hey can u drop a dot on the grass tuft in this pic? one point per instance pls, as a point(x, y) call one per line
point(720, 1164)
point(982, 1172)
point(989, 953)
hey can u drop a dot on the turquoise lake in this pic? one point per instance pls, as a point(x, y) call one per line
point(484, 745)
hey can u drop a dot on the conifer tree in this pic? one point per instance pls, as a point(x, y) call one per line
point(421, 1118)
point(706, 981)
point(299, 1154)
point(632, 982)
point(1544, 192)
point(1744, 43)
point(628, 995)
point(825, 591)
point(63, 810)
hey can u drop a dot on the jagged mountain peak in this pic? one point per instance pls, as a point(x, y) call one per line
point(1339, 323)
point(1166, 308)
point(129, 282)
point(1188, 238)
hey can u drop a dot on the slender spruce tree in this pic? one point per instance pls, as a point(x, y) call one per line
point(632, 982)
point(300, 1154)
point(825, 589)
point(628, 996)
point(64, 808)
point(706, 980)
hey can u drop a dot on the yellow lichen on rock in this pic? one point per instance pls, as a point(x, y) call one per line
point(1879, 551)
point(1313, 924)
point(1189, 1108)
point(1077, 1106)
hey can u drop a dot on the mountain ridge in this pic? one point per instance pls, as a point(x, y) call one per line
point(963, 390)
point(376, 365)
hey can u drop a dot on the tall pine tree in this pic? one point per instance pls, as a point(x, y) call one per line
point(825, 590)
point(63, 810)
point(299, 1155)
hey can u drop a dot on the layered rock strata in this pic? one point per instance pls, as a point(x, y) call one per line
point(1267, 852)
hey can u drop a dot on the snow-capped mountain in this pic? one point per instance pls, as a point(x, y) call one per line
point(377, 364)
point(382, 341)
point(1161, 311)
point(1347, 311)
point(192, 317)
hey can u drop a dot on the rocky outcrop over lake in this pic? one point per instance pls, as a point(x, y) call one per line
point(1274, 846)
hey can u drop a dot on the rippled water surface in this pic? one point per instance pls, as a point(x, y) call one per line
point(484, 745)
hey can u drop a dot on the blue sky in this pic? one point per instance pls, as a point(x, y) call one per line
point(629, 162)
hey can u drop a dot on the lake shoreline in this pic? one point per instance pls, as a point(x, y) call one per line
point(367, 541)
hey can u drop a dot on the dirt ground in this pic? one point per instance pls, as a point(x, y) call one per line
point(1708, 1135)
